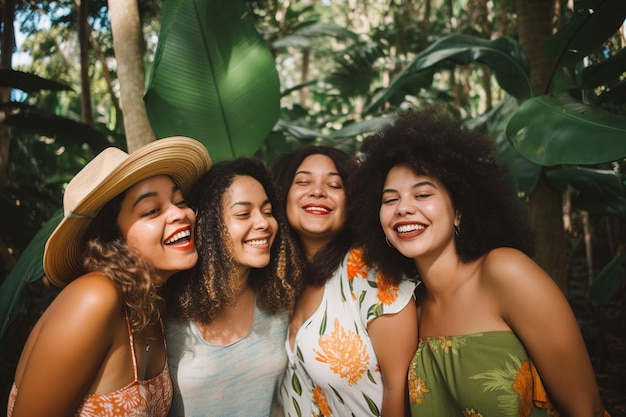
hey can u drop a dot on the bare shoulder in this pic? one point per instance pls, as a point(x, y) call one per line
point(511, 267)
point(93, 294)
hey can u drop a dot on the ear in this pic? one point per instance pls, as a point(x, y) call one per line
point(457, 218)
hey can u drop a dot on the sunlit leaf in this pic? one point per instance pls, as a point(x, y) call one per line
point(213, 78)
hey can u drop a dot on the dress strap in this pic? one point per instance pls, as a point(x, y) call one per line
point(132, 347)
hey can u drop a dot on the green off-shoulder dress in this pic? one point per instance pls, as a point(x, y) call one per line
point(480, 374)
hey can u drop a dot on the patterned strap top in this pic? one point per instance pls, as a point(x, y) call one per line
point(148, 398)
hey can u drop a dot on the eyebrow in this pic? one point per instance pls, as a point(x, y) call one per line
point(331, 173)
point(152, 194)
point(248, 203)
point(416, 185)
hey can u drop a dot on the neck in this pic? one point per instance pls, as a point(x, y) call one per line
point(313, 246)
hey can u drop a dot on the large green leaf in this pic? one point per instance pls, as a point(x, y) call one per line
point(552, 130)
point(213, 78)
point(597, 191)
point(503, 55)
point(29, 268)
point(585, 32)
point(608, 281)
point(522, 173)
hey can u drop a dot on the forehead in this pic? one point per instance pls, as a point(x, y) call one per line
point(152, 184)
point(317, 163)
point(405, 175)
point(244, 188)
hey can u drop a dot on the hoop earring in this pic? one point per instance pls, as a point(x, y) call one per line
point(388, 243)
point(457, 230)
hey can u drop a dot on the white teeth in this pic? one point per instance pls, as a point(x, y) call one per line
point(409, 228)
point(178, 236)
point(317, 209)
point(257, 242)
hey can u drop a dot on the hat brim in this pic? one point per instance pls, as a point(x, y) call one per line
point(183, 159)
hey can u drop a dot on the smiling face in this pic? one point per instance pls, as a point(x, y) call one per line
point(416, 214)
point(249, 221)
point(316, 202)
point(155, 219)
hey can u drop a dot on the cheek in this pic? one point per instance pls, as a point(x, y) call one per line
point(292, 207)
point(273, 223)
point(140, 234)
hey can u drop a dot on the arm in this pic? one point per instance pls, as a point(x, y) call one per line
point(540, 315)
point(394, 337)
point(66, 348)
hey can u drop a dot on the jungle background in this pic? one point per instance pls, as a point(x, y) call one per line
point(545, 78)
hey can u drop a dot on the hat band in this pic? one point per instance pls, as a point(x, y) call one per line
point(74, 215)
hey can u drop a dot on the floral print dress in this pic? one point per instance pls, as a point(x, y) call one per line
point(476, 375)
point(332, 369)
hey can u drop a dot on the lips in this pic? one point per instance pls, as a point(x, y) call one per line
point(258, 243)
point(408, 230)
point(180, 239)
point(317, 209)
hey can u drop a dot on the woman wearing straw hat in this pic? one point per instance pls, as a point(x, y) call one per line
point(229, 313)
point(98, 350)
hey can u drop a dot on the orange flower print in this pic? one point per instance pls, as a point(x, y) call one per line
point(345, 352)
point(471, 413)
point(356, 266)
point(319, 399)
point(523, 386)
point(387, 293)
point(417, 388)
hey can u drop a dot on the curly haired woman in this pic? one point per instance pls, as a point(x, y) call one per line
point(228, 316)
point(494, 328)
point(98, 349)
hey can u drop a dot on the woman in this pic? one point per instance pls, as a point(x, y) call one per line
point(493, 326)
point(98, 349)
point(340, 360)
point(228, 316)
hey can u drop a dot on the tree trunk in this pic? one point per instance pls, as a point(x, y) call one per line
point(83, 41)
point(7, 9)
point(545, 206)
point(127, 44)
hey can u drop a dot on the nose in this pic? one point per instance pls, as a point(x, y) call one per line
point(260, 221)
point(175, 213)
point(317, 190)
point(404, 207)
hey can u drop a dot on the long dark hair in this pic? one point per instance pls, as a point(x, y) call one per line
point(321, 267)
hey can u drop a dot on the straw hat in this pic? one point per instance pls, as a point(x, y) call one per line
point(110, 173)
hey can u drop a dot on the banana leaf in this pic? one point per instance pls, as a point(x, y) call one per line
point(503, 55)
point(522, 173)
point(213, 78)
point(597, 191)
point(552, 130)
point(608, 281)
point(28, 269)
point(585, 32)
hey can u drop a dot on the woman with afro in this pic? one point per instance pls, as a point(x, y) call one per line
point(497, 337)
